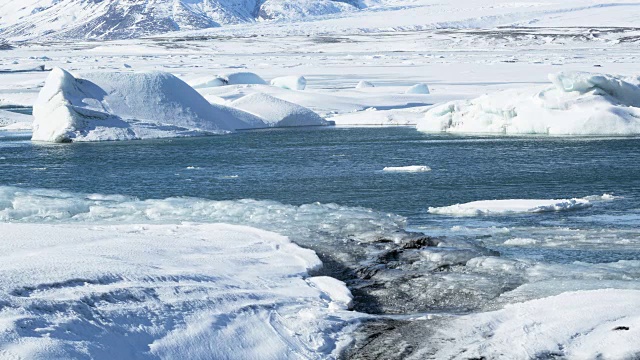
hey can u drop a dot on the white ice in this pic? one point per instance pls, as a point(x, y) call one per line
point(410, 168)
point(510, 206)
point(291, 82)
point(276, 112)
point(577, 103)
point(125, 106)
point(418, 89)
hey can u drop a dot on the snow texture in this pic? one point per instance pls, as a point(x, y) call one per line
point(276, 112)
point(197, 291)
point(596, 324)
point(578, 103)
point(126, 106)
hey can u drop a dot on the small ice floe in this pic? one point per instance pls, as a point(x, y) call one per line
point(290, 82)
point(511, 206)
point(229, 177)
point(603, 197)
point(412, 168)
point(418, 89)
point(364, 84)
point(521, 242)
point(193, 168)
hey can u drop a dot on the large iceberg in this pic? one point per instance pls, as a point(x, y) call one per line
point(125, 106)
point(577, 103)
point(277, 112)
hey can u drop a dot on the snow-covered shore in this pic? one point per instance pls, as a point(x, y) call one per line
point(165, 291)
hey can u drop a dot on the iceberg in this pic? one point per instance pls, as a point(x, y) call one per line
point(418, 89)
point(236, 78)
point(290, 82)
point(126, 106)
point(577, 103)
point(364, 84)
point(276, 112)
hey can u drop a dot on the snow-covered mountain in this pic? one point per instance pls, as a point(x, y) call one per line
point(118, 19)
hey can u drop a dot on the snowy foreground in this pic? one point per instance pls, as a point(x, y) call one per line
point(597, 324)
point(118, 277)
point(193, 291)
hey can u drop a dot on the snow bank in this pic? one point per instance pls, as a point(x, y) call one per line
point(364, 84)
point(165, 291)
point(511, 206)
point(125, 106)
point(290, 82)
point(578, 103)
point(236, 78)
point(597, 324)
point(277, 112)
point(412, 168)
point(418, 89)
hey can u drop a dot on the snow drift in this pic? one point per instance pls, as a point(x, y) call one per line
point(277, 112)
point(125, 106)
point(577, 103)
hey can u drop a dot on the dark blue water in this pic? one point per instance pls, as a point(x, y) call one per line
point(344, 166)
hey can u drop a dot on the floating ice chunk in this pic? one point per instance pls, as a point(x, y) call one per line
point(418, 89)
point(290, 82)
point(521, 241)
point(364, 84)
point(603, 197)
point(167, 291)
point(511, 206)
point(412, 168)
point(573, 325)
point(578, 103)
point(277, 112)
point(125, 106)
